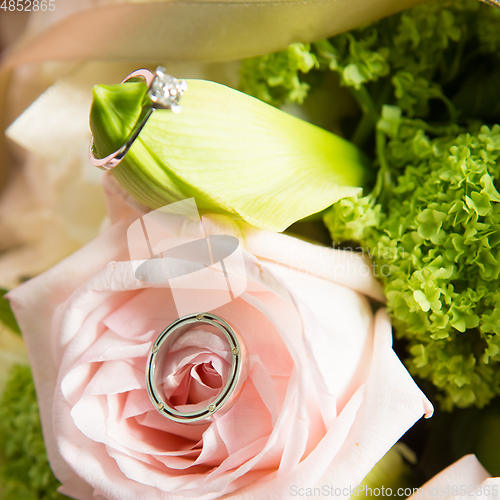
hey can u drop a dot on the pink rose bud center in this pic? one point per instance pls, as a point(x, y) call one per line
point(196, 369)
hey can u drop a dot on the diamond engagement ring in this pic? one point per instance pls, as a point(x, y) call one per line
point(229, 392)
point(164, 92)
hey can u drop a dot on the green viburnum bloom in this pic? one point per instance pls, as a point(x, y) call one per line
point(427, 82)
point(12, 348)
point(432, 222)
point(233, 153)
point(434, 234)
point(25, 473)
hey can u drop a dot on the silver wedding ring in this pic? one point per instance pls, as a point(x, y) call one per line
point(229, 392)
point(164, 92)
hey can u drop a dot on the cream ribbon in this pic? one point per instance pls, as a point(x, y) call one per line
point(194, 30)
point(175, 30)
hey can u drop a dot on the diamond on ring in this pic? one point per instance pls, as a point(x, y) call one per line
point(166, 91)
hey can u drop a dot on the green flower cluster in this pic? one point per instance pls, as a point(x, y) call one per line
point(274, 78)
point(24, 468)
point(405, 58)
point(435, 241)
point(428, 87)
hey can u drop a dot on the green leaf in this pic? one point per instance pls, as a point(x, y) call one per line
point(392, 472)
point(231, 152)
point(6, 315)
point(477, 431)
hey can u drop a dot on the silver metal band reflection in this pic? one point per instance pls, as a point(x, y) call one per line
point(227, 395)
point(163, 92)
point(493, 3)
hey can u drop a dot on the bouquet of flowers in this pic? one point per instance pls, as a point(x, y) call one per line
point(292, 256)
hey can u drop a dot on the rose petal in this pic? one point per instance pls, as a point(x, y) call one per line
point(33, 308)
point(467, 473)
point(350, 269)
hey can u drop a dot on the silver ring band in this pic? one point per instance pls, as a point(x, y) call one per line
point(164, 92)
point(229, 392)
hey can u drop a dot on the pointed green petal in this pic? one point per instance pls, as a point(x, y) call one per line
point(233, 153)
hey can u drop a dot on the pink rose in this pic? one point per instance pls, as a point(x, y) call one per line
point(324, 400)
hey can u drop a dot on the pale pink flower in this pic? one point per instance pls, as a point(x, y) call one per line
point(325, 398)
